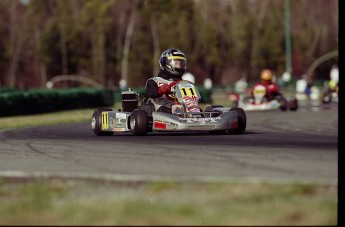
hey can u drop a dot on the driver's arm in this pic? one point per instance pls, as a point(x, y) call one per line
point(155, 91)
point(152, 89)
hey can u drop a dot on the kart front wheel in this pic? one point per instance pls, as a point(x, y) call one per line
point(241, 121)
point(139, 122)
point(96, 122)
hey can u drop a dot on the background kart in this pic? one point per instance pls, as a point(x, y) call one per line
point(330, 95)
point(259, 101)
point(139, 116)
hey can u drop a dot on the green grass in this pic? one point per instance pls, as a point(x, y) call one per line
point(81, 202)
point(46, 119)
point(71, 116)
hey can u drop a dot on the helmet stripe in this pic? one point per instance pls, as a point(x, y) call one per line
point(176, 57)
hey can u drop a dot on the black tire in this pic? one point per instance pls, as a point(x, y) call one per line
point(242, 121)
point(283, 103)
point(139, 122)
point(293, 104)
point(96, 122)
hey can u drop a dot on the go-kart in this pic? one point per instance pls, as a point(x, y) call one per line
point(139, 115)
point(330, 95)
point(260, 101)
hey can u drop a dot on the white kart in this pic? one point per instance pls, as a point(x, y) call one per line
point(139, 116)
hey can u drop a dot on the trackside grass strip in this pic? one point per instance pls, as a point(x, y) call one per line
point(82, 202)
point(73, 116)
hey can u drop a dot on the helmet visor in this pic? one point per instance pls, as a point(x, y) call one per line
point(177, 62)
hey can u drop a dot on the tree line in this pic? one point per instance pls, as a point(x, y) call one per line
point(110, 40)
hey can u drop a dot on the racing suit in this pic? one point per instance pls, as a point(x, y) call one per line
point(158, 88)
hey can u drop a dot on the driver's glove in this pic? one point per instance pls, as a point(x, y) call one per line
point(166, 88)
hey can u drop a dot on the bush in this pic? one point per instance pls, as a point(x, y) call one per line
point(41, 100)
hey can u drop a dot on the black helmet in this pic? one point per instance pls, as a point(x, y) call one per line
point(173, 63)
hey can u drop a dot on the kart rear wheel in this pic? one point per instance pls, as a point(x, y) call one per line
point(96, 122)
point(139, 122)
point(293, 104)
point(241, 121)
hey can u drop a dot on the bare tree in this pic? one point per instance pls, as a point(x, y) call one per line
point(126, 47)
point(15, 42)
point(63, 21)
point(156, 50)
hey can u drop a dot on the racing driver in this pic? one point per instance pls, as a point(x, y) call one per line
point(172, 65)
point(272, 89)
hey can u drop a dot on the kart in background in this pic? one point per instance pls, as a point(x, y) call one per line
point(259, 101)
point(139, 116)
point(330, 95)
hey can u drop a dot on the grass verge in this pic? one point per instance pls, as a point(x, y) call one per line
point(71, 116)
point(82, 202)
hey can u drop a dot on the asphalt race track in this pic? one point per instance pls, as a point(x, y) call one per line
point(277, 146)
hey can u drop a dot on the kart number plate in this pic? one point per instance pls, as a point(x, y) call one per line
point(188, 92)
point(105, 120)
